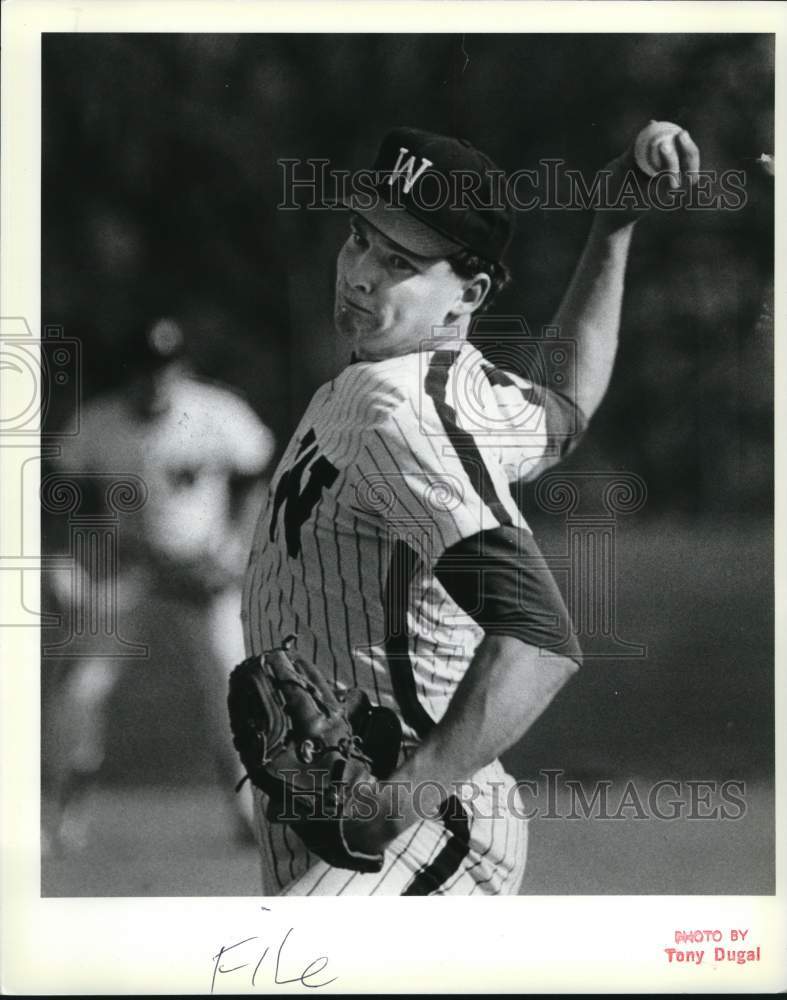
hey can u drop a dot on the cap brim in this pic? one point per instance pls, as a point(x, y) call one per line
point(407, 231)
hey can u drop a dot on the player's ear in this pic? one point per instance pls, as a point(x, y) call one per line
point(473, 294)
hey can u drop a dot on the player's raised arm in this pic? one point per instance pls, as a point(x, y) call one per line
point(590, 311)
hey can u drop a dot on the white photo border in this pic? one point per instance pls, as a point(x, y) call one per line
point(155, 946)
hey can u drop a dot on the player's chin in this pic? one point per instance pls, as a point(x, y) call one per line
point(353, 323)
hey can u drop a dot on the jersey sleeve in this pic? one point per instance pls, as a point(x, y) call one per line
point(501, 580)
point(430, 479)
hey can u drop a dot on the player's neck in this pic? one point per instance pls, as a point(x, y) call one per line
point(443, 338)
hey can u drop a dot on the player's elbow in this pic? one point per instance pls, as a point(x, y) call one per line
point(566, 658)
point(556, 668)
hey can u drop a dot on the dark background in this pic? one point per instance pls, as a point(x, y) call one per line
point(160, 186)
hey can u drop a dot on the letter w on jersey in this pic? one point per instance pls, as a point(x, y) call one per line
point(299, 503)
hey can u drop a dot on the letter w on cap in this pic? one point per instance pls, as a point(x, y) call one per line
point(407, 169)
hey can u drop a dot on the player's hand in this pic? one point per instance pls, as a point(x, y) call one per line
point(672, 162)
point(665, 147)
point(381, 821)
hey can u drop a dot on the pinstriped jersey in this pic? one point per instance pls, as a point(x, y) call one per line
point(393, 463)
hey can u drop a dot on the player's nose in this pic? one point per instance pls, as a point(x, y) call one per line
point(361, 274)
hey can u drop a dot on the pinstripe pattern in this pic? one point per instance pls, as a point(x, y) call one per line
point(390, 461)
point(441, 868)
point(492, 864)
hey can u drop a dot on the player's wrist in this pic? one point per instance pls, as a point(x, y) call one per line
point(625, 199)
point(423, 783)
point(615, 227)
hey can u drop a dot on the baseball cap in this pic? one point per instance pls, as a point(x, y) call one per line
point(436, 195)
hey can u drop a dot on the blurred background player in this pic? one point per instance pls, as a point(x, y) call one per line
point(202, 453)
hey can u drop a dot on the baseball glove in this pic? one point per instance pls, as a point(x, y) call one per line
point(310, 748)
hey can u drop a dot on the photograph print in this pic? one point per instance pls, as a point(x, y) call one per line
point(407, 464)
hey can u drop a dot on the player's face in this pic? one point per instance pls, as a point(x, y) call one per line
point(390, 301)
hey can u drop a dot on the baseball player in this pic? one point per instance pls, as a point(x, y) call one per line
point(390, 543)
point(201, 452)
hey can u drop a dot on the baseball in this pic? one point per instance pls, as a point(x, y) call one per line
point(646, 154)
